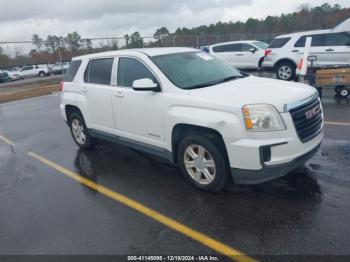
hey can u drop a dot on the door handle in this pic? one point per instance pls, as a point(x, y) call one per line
point(84, 89)
point(295, 50)
point(329, 50)
point(239, 55)
point(119, 94)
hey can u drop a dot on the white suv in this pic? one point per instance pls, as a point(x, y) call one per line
point(283, 54)
point(216, 123)
point(240, 54)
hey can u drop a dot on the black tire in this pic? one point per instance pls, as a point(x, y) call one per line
point(344, 92)
point(41, 74)
point(88, 142)
point(285, 71)
point(222, 174)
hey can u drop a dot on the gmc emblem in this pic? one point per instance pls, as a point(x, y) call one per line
point(313, 112)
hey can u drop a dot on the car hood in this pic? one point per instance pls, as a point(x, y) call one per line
point(256, 90)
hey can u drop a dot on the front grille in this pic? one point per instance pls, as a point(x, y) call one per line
point(307, 120)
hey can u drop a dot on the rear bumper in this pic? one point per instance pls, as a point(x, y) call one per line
point(63, 113)
point(268, 65)
point(270, 172)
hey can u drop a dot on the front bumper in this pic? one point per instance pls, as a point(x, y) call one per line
point(262, 156)
point(270, 172)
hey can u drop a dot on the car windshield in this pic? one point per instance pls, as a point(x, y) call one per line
point(195, 69)
point(261, 45)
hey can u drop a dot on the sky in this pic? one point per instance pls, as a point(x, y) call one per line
point(19, 19)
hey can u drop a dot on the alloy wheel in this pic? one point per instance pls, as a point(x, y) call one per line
point(199, 164)
point(78, 131)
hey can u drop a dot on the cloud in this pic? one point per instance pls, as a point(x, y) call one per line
point(21, 19)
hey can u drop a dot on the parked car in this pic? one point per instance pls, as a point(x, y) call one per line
point(34, 70)
point(4, 77)
point(332, 48)
point(240, 54)
point(60, 68)
point(14, 75)
point(217, 123)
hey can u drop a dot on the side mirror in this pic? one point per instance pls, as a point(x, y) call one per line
point(252, 50)
point(145, 84)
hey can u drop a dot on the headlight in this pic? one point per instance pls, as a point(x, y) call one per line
point(262, 117)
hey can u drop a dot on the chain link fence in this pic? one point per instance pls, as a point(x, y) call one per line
point(21, 53)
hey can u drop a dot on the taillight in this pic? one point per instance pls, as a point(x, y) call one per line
point(61, 86)
point(267, 51)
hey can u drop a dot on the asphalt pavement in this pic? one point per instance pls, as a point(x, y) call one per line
point(67, 201)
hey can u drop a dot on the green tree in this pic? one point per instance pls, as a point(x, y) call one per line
point(115, 45)
point(161, 33)
point(37, 41)
point(136, 40)
point(74, 41)
point(52, 42)
point(87, 44)
point(127, 39)
point(4, 59)
point(252, 25)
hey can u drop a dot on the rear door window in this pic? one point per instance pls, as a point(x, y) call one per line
point(227, 48)
point(72, 71)
point(279, 42)
point(99, 71)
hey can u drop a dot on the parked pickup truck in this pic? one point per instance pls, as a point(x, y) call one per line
point(217, 124)
point(34, 70)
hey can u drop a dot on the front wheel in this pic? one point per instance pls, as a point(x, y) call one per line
point(79, 131)
point(285, 71)
point(203, 163)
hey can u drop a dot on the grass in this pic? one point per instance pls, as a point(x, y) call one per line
point(28, 93)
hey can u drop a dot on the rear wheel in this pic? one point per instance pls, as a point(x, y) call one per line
point(285, 71)
point(202, 163)
point(42, 74)
point(79, 131)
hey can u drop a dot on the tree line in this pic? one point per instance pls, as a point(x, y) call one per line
point(55, 48)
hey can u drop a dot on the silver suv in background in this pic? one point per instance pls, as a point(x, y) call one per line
point(240, 54)
point(331, 47)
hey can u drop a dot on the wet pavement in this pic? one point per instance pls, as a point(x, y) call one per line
point(45, 212)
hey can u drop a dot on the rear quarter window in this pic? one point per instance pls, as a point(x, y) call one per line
point(72, 71)
point(279, 42)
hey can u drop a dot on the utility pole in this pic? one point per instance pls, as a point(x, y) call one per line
point(59, 54)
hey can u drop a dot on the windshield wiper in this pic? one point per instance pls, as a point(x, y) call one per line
point(211, 83)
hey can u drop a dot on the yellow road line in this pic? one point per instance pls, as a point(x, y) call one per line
point(337, 123)
point(169, 222)
point(6, 140)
